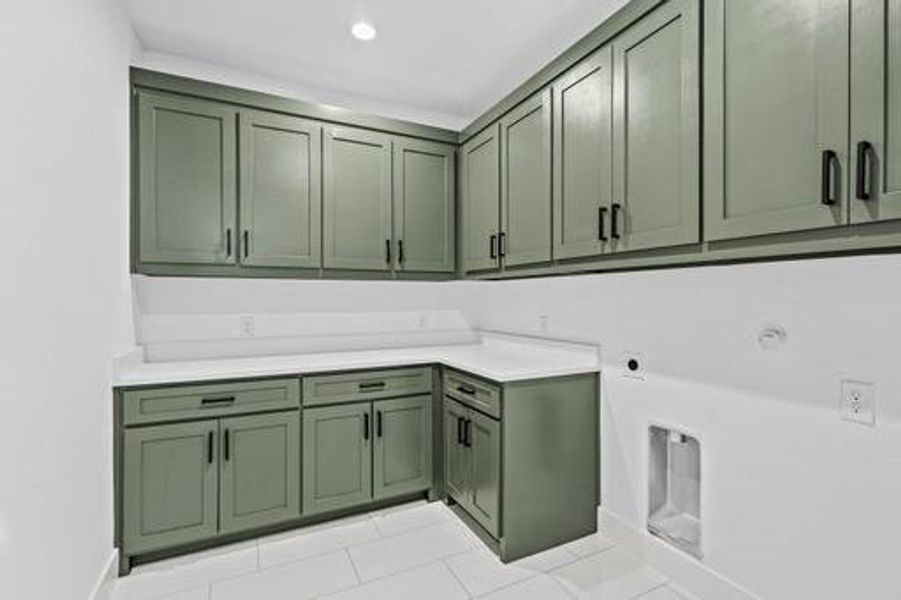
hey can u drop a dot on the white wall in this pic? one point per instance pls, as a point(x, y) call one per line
point(796, 503)
point(65, 291)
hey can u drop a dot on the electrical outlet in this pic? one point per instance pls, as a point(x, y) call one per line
point(634, 365)
point(543, 323)
point(858, 402)
point(246, 326)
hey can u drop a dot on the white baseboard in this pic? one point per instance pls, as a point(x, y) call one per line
point(695, 577)
point(108, 573)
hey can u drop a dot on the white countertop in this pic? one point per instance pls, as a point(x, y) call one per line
point(500, 358)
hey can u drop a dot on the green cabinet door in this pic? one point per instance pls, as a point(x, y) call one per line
point(656, 131)
point(526, 182)
point(402, 447)
point(280, 190)
point(186, 169)
point(357, 198)
point(170, 485)
point(875, 111)
point(484, 440)
point(583, 157)
point(480, 176)
point(775, 100)
point(337, 457)
point(424, 206)
point(260, 478)
point(456, 454)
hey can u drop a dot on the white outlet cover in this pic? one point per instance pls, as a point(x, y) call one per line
point(858, 402)
point(246, 326)
point(633, 364)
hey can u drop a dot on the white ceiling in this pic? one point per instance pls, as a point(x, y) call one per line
point(454, 58)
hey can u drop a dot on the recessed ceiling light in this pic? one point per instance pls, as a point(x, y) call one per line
point(363, 31)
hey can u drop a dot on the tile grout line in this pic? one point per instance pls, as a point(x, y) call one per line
point(653, 589)
point(353, 566)
point(462, 585)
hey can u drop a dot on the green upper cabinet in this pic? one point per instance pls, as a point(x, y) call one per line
point(186, 180)
point(170, 485)
point(280, 187)
point(424, 206)
point(525, 235)
point(260, 481)
point(480, 183)
point(583, 157)
point(337, 457)
point(775, 116)
point(875, 111)
point(357, 198)
point(656, 125)
point(402, 447)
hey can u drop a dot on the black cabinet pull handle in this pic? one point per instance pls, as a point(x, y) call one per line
point(388, 251)
point(226, 446)
point(602, 216)
point(378, 423)
point(866, 180)
point(467, 433)
point(366, 426)
point(400, 251)
point(246, 243)
point(365, 386)
point(492, 246)
point(213, 402)
point(209, 448)
point(465, 389)
point(502, 244)
point(228, 242)
point(830, 173)
point(614, 220)
point(460, 430)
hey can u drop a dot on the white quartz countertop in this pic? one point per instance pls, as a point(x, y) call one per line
point(499, 358)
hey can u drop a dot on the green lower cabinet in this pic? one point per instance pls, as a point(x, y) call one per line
point(170, 485)
point(483, 437)
point(456, 455)
point(337, 457)
point(402, 449)
point(260, 480)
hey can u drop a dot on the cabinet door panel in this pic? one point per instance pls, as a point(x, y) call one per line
point(526, 182)
point(337, 457)
point(280, 190)
point(357, 197)
point(776, 97)
point(424, 206)
point(170, 482)
point(876, 109)
point(186, 180)
point(485, 478)
point(260, 482)
point(583, 156)
point(480, 174)
point(656, 130)
point(456, 455)
point(402, 451)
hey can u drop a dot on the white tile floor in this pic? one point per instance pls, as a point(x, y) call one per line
point(413, 551)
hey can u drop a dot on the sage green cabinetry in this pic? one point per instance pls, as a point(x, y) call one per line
point(656, 130)
point(337, 457)
point(775, 116)
point(875, 156)
point(424, 206)
point(481, 188)
point(583, 157)
point(170, 485)
point(260, 477)
point(280, 190)
point(525, 233)
point(357, 199)
point(402, 448)
point(186, 180)
point(456, 454)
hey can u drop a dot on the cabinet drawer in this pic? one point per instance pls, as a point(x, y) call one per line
point(212, 400)
point(366, 385)
point(473, 392)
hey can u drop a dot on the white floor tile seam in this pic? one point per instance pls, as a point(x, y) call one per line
point(653, 590)
point(354, 566)
point(454, 575)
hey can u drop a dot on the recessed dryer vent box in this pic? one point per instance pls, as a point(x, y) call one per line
point(674, 488)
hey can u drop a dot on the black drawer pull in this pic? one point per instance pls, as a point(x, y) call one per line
point(602, 216)
point(614, 220)
point(866, 178)
point(388, 251)
point(217, 401)
point(830, 178)
point(492, 246)
point(228, 242)
point(378, 423)
point(400, 251)
point(465, 389)
point(460, 425)
point(371, 385)
point(226, 447)
point(502, 244)
point(366, 426)
point(467, 433)
point(209, 448)
point(246, 243)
